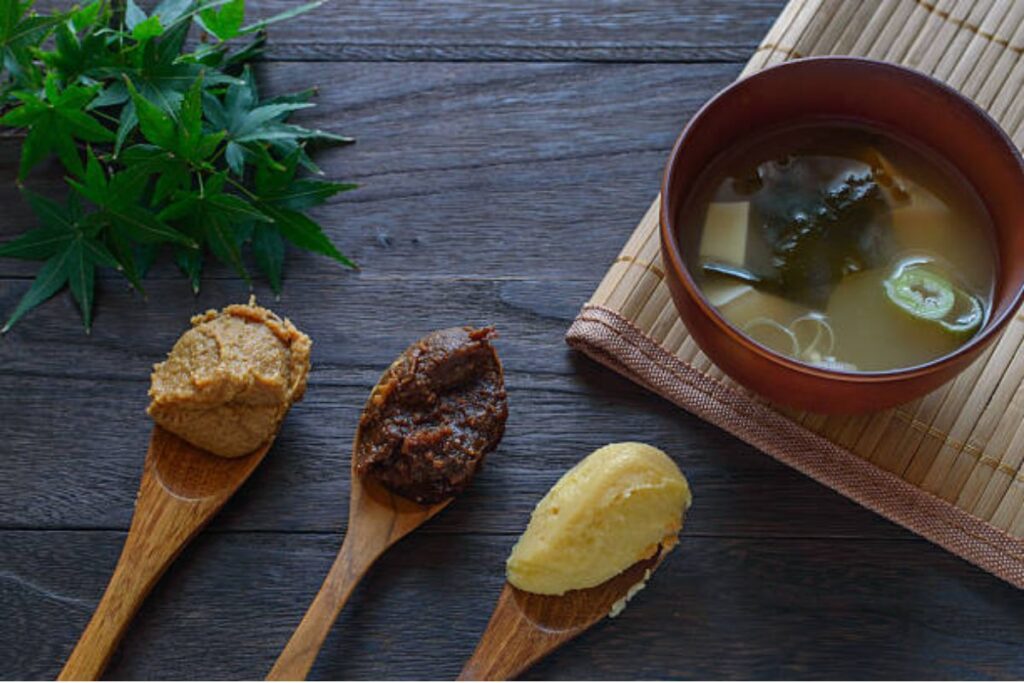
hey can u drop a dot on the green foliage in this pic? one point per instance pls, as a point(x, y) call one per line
point(166, 145)
point(55, 118)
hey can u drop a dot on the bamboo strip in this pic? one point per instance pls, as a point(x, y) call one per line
point(853, 29)
point(1005, 61)
point(967, 28)
point(1009, 92)
point(662, 326)
point(1017, 528)
point(791, 22)
point(997, 480)
point(813, 421)
point(982, 51)
point(959, 414)
point(773, 37)
point(823, 41)
point(847, 430)
point(913, 424)
point(995, 470)
point(936, 35)
point(929, 418)
point(823, 17)
point(676, 337)
point(657, 304)
point(1012, 500)
point(907, 31)
point(881, 16)
point(869, 438)
point(975, 422)
point(890, 29)
point(631, 274)
point(1010, 512)
point(687, 350)
point(602, 295)
point(967, 43)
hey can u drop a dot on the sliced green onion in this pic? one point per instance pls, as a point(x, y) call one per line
point(967, 314)
point(767, 325)
point(822, 334)
point(921, 292)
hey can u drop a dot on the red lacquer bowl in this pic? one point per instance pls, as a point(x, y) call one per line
point(909, 105)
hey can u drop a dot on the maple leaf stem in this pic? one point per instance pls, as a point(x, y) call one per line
point(242, 188)
point(104, 115)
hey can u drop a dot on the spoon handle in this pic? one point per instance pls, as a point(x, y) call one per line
point(158, 532)
point(298, 656)
point(182, 488)
point(376, 520)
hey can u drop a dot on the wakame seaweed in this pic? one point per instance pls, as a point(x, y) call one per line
point(819, 222)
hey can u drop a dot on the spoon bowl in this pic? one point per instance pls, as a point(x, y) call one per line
point(526, 627)
point(182, 488)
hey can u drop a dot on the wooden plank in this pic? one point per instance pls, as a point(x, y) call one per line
point(493, 30)
point(717, 608)
point(356, 322)
point(85, 474)
point(470, 169)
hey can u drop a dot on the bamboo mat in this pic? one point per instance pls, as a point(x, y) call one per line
point(948, 466)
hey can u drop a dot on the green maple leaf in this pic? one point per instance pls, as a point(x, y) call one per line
point(173, 174)
point(124, 217)
point(55, 119)
point(247, 53)
point(182, 135)
point(118, 198)
point(20, 28)
point(268, 249)
point(158, 73)
point(280, 188)
point(75, 57)
point(282, 196)
point(172, 11)
point(67, 243)
point(89, 14)
point(250, 123)
point(225, 22)
point(212, 217)
point(20, 31)
point(190, 261)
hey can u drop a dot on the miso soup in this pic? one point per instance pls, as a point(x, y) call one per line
point(842, 247)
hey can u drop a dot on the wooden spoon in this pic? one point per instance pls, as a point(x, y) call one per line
point(377, 519)
point(182, 488)
point(526, 627)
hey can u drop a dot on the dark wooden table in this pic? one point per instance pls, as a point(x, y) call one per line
point(506, 150)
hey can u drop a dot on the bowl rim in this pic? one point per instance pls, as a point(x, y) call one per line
point(677, 267)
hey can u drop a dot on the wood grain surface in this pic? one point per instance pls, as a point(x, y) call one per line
point(526, 30)
point(505, 150)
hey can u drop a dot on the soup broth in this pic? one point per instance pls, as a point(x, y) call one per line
point(842, 247)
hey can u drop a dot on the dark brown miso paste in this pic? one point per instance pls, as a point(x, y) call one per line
point(434, 415)
point(843, 247)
